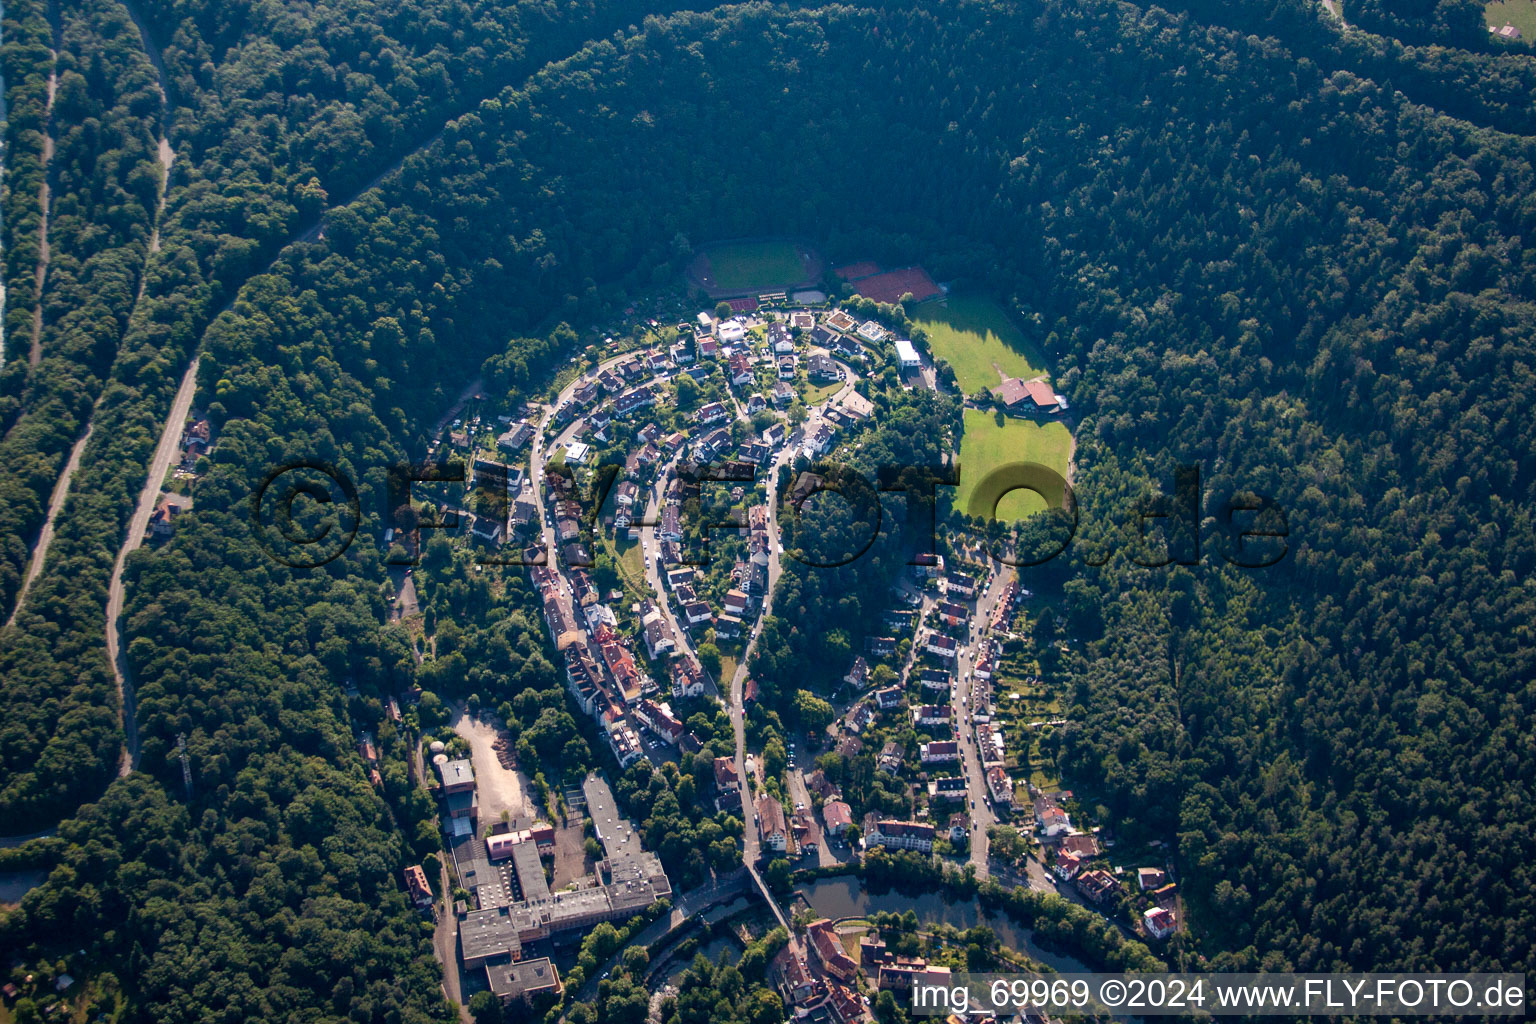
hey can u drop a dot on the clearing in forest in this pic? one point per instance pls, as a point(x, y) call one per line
point(992, 440)
point(974, 335)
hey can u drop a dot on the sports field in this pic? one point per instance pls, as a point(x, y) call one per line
point(979, 341)
point(988, 445)
point(754, 267)
point(1519, 13)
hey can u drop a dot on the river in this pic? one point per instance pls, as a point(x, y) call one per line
point(16, 884)
point(846, 896)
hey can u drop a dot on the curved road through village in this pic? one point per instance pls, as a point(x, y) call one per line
point(538, 448)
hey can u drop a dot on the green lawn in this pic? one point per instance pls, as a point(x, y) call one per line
point(988, 444)
point(631, 558)
point(815, 394)
point(760, 265)
point(1519, 13)
point(976, 337)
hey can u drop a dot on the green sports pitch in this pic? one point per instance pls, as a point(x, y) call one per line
point(988, 444)
point(974, 335)
point(739, 266)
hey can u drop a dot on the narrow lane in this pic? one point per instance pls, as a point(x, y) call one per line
point(170, 442)
point(50, 520)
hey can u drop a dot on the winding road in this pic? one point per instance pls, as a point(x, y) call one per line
point(45, 535)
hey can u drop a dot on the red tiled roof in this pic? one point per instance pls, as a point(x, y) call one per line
point(1041, 393)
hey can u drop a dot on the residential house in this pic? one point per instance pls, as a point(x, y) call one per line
point(1068, 865)
point(687, 678)
point(818, 441)
point(514, 438)
point(817, 782)
point(839, 320)
point(823, 369)
point(1160, 923)
point(890, 758)
point(659, 641)
point(168, 508)
point(846, 346)
point(740, 370)
point(1053, 821)
point(791, 976)
point(660, 720)
point(902, 835)
point(632, 401)
point(999, 787)
point(416, 887)
point(727, 781)
point(486, 529)
point(837, 815)
point(941, 646)
point(950, 787)
point(929, 715)
point(671, 524)
point(900, 973)
point(625, 743)
point(828, 950)
point(952, 614)
point(1079, 844)
point(958, 827)
point(871, 332)
point(888, 697)
point(807, 834)
point(1097, 886)
point(771, 829)
point(959, 585)
point(940, 752)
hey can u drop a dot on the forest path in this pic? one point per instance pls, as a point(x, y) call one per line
point(164, 156)
point(170, 441)
point(44, 200)
point(45, 535)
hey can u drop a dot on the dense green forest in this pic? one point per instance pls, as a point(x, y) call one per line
point(229, 213)
point(1293, 257)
